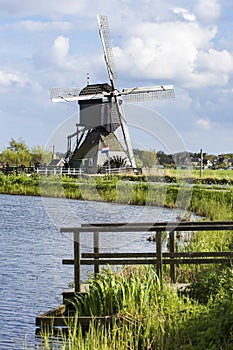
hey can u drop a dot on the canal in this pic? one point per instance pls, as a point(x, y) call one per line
point(32, 276)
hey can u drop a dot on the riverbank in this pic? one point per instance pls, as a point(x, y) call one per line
point(212, 201)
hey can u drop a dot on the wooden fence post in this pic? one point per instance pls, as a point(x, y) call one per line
point(77, 282)
point(172, 250)
point(96, 251)
point(159, 254)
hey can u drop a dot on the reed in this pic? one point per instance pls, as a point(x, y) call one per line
point(153, 315)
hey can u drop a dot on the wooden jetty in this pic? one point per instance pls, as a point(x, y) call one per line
point(59, 316)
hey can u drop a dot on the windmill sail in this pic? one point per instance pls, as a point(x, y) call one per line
point(125, 132)
point(72, 94)
point(115, 117)
point(107, 47)
point(148, 93)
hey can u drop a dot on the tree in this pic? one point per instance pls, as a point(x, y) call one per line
point(40, 155)
point(145, 158)
point(16, 154)
point(164, 159)
point(149, 158)
point(8, 157)
point(138, 161)
point(17, 146)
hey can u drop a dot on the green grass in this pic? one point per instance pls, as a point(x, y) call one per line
point(154, 315)
point(215, 202)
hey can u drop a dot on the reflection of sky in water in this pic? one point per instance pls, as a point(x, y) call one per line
point(72, 213)
point(64, 212)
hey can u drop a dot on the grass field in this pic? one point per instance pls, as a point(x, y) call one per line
point(194, 173)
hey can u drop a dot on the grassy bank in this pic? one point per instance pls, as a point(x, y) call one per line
point(153, 315)
point(203, 200)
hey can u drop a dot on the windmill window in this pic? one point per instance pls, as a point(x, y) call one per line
point(90, 163)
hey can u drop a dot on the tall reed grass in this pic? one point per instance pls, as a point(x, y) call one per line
point(153, 315)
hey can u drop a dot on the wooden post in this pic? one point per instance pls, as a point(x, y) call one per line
point(159, 254)
point(201, 162)
point(172, 250)
point(77, 282)
point(96, 250)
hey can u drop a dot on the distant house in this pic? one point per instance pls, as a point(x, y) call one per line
point(195, 161)
point(56, 163)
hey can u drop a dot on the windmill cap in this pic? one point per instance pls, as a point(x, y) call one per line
point(96, 89)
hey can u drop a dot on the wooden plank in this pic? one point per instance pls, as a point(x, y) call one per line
point(77, 272)
point(153, 227)
point(119, 256)
point(162, 224)
point(119, 261)
point(198, 254)
point(96, 251)
point(159, 267)
point(200, 261)
point(68, 261)
point(172, 251)
point(154, 261)
point(149, 223)
point(153, 255)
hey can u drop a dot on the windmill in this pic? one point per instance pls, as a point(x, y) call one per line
point(101, 114)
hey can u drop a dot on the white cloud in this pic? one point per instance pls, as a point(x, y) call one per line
point(203, 123)
point(181, 51)
point(13, 78)
point(56, 56)
point(208, 10)
point(25, 7)
point(184, 13)
point(214, 60)
point(40, 26)
point(61, 48)
point(213, 68)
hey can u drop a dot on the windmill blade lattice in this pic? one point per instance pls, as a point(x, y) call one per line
point(107, 47)
point(148, 93)
point(115, 117)
point(72, 94)
point(125, 131)
point(67, 94)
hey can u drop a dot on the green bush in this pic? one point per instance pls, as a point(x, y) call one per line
point(213, 283)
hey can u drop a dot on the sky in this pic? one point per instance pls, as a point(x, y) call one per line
point(189, 44)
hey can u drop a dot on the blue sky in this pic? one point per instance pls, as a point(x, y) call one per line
point(55, 43)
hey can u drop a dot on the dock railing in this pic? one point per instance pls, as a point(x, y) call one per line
point(158, 258)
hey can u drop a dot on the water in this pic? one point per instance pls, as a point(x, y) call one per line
point(32, 276)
